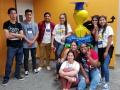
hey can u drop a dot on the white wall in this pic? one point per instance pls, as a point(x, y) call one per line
point(22, 5)
point(117, 48)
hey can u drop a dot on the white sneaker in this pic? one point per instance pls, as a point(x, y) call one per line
point(39, 68)
point(106, 86)
point(35, 71)
point(26, 73)
point(48, 68)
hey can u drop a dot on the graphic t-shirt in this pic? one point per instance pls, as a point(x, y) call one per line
point(103, 39)
point(30, 30)
point(84, 60)
point(47, 34)
point(75, 65)
point(59, 32)
point(13, 28)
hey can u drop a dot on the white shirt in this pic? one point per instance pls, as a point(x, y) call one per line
point(47, 34)
point(66, 64)
point(59, 32)
point(103, 40)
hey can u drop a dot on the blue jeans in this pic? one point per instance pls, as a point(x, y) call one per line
point(105, 68)
point(94, 76)
point(11, 53)
point(59, 49)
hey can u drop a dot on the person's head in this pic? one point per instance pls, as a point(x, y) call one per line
point(103, 21)
point(95, 19)
point(63, 18)
point(28, 14)
point(83, 48)
point(70, 56)
point(74, 45)
point(12, 12)
point(47, 16)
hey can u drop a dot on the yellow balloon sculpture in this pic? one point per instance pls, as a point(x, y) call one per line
point(80, 15)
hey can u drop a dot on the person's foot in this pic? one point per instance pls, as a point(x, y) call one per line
point(106, 86)
point(35, 71)
point(5, 82)
point(48, 68)
point(26, 73)
point(19, 78)
point(39, 68)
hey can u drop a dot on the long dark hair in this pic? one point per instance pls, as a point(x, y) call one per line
point(104, 27)
point(65, 23)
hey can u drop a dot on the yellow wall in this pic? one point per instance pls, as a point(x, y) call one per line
point(4, 5)
point(101, 7)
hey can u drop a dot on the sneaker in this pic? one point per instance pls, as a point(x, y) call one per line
point(48, 68)
point(19, 78)
point(106, 86)
point(5, 82)
point(39, 68)
point(35, 71)
point(26, 73)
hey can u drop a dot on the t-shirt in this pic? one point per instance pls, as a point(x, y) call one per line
point(82, 58)
point(59, 32)
point(13, 28)
point(47, 34)
point(30, 30)
point(103, 39)
point(75, 65)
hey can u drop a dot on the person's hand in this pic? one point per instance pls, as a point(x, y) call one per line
point(53, 48)
point(88, 53)
point(63, 39)
point(105, 54)
point(87, 80)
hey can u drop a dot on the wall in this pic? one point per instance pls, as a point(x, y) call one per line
point(118, 33)
point(101, 7)
point(4, 5)
point(26, 4)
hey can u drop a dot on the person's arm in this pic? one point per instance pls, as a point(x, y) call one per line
point(82, 70)
point(91, 60)
point(71, 73)
point(110, 39)
point(18, 35)
point(8, 34)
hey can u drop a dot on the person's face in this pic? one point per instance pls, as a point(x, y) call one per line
point(94, 21)
point(84, 48)
point(47, 18)
point(28, 16)
point(73, 46)
point(13, 15)
point(70, 57)
point(62, 19)
point(102, 21)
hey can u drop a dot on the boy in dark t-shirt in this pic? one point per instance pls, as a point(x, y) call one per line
point(14, 35)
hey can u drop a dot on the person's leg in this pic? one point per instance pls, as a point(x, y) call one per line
point(106, 68)
point(33, 55)
point(10, 56)
point(26, 56)
point(19, 57)
point(48, 50)
point(63, 82)
point(42, 54)
point(95, 78)
point(82, 83)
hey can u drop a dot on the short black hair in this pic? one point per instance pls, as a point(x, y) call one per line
point(10, 9)
point(28, 10)
point(47, 13)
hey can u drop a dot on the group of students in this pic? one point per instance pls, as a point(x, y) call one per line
point(77, 65)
